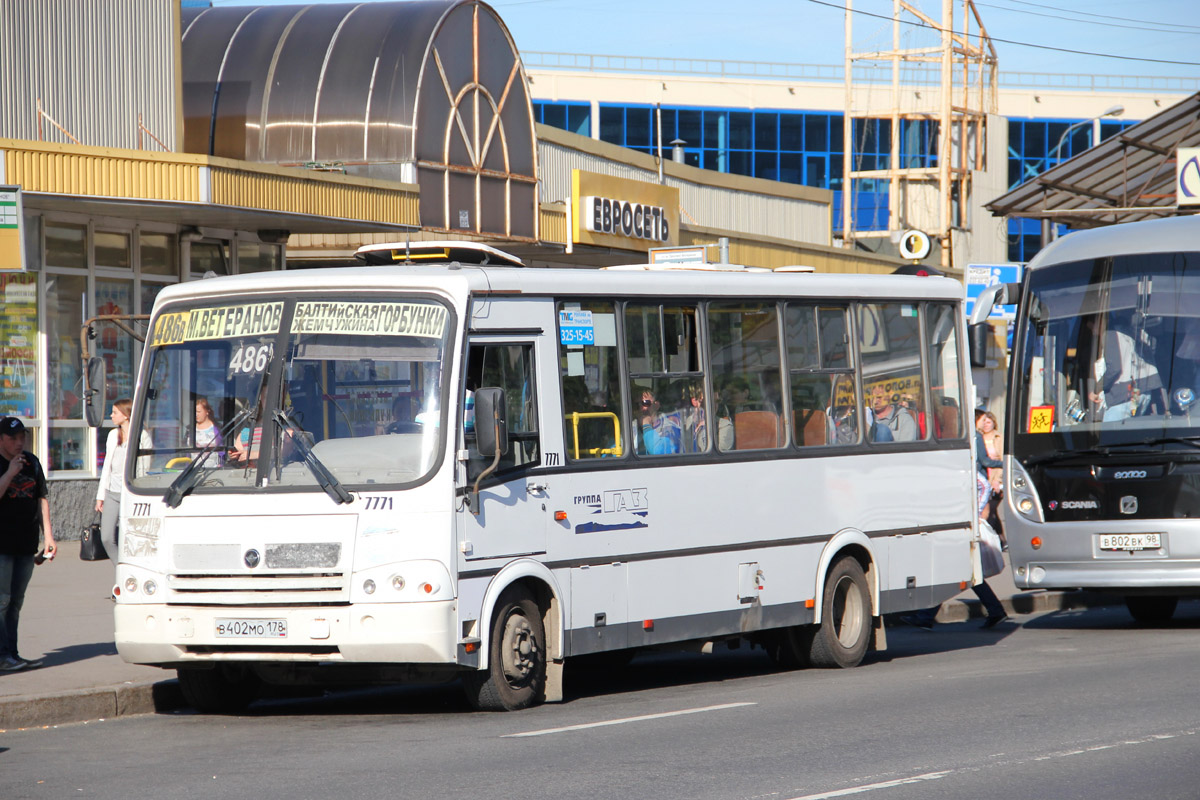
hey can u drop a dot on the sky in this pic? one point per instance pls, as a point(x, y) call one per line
point(1111, 37)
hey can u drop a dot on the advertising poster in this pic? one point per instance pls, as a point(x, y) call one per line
point(18, 344)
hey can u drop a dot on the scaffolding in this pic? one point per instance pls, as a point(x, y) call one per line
point(927, 199)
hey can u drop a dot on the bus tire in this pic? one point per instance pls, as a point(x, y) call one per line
point(1151, 609)
point(224, 689)
point(844, 633)
point(515, 677)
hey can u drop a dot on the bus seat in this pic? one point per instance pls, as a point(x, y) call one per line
point(811, 427)
point(947, 418)
point(757, 430)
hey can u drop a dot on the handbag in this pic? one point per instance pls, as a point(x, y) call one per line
point(991, 557)
point(90, 546)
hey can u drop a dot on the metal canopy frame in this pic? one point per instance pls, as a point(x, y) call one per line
point(1128, 177)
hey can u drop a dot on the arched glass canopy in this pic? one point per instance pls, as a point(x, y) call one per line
point(431, 92)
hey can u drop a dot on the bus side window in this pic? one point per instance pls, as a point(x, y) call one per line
point(508, 367)
point(589, 377)
point(945, 389)
point(824, 407)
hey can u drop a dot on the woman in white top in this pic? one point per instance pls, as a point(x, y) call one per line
point(112, 477)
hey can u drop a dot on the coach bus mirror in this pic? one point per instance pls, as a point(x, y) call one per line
point(978, 336)
point(94, 383)
point(491, 426)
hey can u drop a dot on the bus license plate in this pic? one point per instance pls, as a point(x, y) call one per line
point(252, 629)
point(1130, 541)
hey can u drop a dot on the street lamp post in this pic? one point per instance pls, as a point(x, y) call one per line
point(1115, 111)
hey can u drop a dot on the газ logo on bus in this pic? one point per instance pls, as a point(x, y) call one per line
point(626, 500)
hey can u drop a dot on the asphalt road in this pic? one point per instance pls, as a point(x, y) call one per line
point(1066, 705)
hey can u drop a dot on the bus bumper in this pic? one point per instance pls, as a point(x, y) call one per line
point(392, 633)
point(1127, 573)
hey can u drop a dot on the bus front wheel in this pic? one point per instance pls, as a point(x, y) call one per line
point(223, 689)
point(844, 633)
point(1151, 610)
point(515, 677)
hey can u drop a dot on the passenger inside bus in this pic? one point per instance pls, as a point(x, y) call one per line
point(1130, 384)
point(891, 423)
point(660, 434)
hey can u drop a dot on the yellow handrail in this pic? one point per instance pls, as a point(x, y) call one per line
point(615, 451)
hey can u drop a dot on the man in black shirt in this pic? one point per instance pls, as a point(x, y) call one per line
point(24, 509)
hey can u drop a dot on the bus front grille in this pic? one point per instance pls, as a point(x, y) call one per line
point(321, 587)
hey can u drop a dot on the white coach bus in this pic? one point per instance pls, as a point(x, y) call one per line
point(423, 472)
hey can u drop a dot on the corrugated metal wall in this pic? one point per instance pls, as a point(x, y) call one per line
point(700, 205)
point(95, 64)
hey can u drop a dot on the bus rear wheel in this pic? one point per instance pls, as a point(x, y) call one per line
point(1151, 610)
point(224, 689)
point(844, 633)
point(515, 677)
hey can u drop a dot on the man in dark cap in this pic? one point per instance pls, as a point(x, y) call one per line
point(24, 510)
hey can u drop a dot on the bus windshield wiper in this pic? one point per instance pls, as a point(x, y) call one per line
point(192, 473)
point(1190, 441)
point(332, 486)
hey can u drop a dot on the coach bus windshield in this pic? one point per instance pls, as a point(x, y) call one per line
point(248, 390)
point(1110, 356)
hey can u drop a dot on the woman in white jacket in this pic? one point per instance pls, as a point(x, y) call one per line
point(112, 477)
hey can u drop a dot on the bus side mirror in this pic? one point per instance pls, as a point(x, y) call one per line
point(978, 336)
point(94, 385)
point(491, 424)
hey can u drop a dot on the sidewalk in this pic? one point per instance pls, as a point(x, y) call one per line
point(67, 618)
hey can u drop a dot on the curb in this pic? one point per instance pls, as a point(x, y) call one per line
point(1030, 603)
point(84, 705)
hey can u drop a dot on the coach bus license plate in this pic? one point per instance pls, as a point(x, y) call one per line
point(1130, 541)
point(252, 629)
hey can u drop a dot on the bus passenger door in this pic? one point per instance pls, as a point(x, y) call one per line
point(512, 516)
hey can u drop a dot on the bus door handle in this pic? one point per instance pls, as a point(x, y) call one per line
point(536, 488)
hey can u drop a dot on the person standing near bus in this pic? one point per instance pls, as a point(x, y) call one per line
point(112, 476)
point(24, 508)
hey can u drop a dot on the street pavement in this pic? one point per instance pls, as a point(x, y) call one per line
point(67, 620)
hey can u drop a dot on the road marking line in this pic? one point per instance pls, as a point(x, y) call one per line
point(622, 721)
point(870, 787)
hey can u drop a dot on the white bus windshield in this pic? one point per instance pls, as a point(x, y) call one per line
point(361, 383)
point(1110, 354)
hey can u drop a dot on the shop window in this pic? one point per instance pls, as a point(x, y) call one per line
point(159, 255)
point(210, 257)
point(112, 250)
point(66, 246)
point(255, 257)
point(114, 297)
point(66, 303)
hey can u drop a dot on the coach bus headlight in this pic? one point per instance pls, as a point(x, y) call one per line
point(1025, 505)
point(1019, 483)
point(398, 583)
point(131, 585)
point(1024, 496)
point(369, 586)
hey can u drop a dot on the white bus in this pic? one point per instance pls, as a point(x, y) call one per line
point(448, 470)
point(1103, 456)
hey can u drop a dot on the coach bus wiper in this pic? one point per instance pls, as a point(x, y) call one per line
point(1190, 441)
point(192, 473)
point(1125, 448)
point(332, 486)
